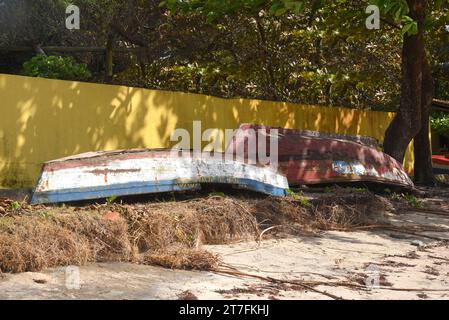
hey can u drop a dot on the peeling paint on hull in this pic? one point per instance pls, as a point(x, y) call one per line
point(440, 164)
point(308, 158)
point(121, 173)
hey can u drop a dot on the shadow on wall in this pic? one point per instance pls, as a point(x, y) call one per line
point(45, 119)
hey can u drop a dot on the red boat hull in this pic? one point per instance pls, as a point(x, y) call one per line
point(313, 158)
point(440, 164)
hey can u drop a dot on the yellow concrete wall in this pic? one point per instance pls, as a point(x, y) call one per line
point(43, 119)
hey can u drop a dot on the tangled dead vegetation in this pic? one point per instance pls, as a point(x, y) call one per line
point(38, 241)
point(348, 210)
point(182, 258)
point(168, 234)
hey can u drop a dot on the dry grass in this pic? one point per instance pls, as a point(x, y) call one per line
point(182, 258)
point(341, 210)
point(108, 240)
point(210, 220)
point(31, 244)
point(168, 234)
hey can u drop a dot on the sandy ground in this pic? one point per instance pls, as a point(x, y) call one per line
point(379, 264)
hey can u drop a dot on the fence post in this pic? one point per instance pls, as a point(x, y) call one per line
point(109, 58)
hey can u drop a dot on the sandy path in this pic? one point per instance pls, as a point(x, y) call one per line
point(382, 264)
point(390, 259)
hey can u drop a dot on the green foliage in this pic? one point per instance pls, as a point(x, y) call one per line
point(336, 188)
point(111, 200)
point(281, 7)
point(394, 8)
point(409, 198)
point(413, 201)
point(217, 194)
point(357, 190)
point(308, 52)
point(395, 196)
point(306, 202)
point(439, 121)
point(215, 9)
point(54, 67)
point(442, 75)
point(30, 21)
point(305, 52)
point(16, 205)
point(46, 214)
point(398, 11)
point(290, 193)
point(300, 197)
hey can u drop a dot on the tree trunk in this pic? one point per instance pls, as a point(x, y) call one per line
point(407, 122)
point(423, 153)
point(39, 51)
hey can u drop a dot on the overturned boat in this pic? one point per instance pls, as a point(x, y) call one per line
point(133, 172)
point(440, 164)
point(310, 158)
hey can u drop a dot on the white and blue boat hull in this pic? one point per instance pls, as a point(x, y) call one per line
point(124, 173)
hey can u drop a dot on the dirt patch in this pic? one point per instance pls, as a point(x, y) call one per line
point(432, 271)
point(361, 278)
point(168, 234)
point(187, 295)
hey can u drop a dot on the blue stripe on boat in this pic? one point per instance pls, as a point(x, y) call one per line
point(440, 171)
point(139, 188)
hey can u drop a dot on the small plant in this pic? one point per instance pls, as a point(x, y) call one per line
point(357, 190)
point(293, 194)
point(413, 201)
point(110, 200)
point(16, 205)
point(396, 196)
point(290, 193)
point(388, 191)
point(299, 196)
point(45, 214)
point(217, 194)
point(305, 202)
point(54, 67)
